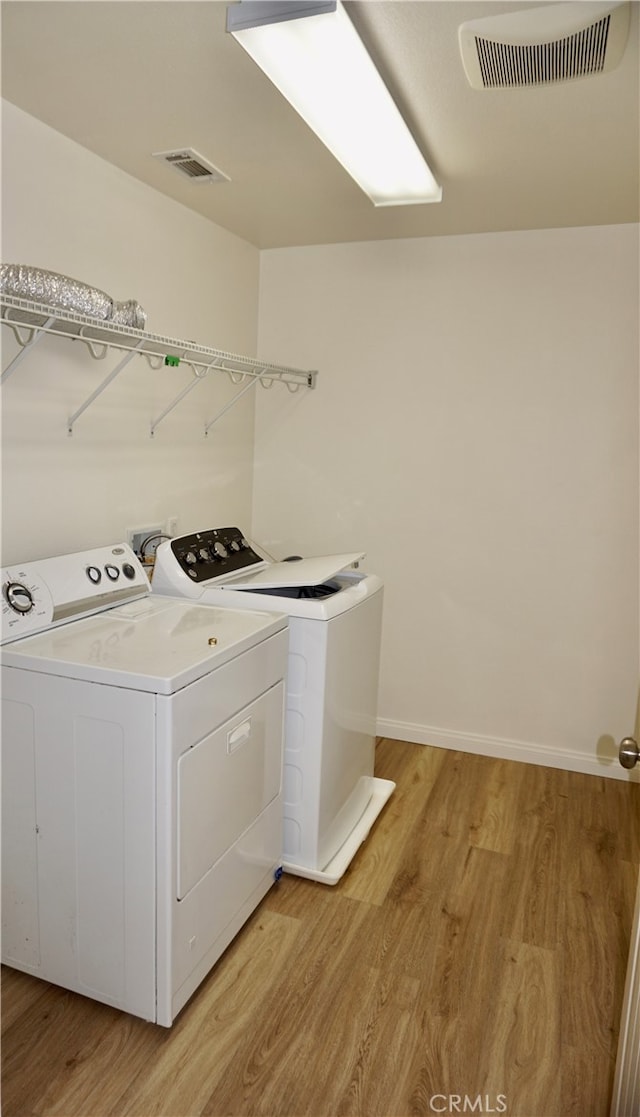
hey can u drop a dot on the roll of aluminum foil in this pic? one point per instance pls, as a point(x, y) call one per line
point(55, 290)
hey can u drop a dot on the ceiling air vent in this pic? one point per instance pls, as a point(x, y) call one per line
point(538, 46)
point(191, 165)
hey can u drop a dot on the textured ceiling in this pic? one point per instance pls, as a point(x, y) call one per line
point(126, 79)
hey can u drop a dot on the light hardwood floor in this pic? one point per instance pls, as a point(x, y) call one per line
point(476, 949)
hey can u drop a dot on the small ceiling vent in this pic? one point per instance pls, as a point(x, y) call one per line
point(540, 46)
point(191, 165)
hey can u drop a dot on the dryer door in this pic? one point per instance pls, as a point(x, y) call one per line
point(224, 784)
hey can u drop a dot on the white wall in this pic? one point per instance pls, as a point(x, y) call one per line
point(475, 428)
point(66, 210)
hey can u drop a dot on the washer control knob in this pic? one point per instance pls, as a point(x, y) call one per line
point(235, 546)
point(112, 572)
point(94, 575)
point(220, 549)
point(19, 597)
point(204, 554)
point(190, 558)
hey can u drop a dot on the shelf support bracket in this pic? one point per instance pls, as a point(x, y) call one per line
point(37, 335)
point(198, 376)
point(101, 387)
point(97, 351)
point(252, 384)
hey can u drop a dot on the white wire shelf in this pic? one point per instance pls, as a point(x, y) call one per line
point(30, 322)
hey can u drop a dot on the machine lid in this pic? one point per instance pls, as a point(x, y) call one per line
point(156, 644)
point(296, 572)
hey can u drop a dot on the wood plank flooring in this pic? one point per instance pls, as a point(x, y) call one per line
point(473, 955)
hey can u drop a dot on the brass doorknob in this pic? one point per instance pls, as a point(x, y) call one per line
point(629, 752)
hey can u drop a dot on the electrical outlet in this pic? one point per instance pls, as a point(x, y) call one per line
point(136, 536)
point(172, 525)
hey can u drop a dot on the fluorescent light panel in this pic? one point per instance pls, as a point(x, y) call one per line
point(319, 63)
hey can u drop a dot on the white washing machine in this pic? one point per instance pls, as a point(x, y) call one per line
point(331, 797)
point(141, 778)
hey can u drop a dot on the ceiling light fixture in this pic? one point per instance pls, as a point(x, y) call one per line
point(314, 56)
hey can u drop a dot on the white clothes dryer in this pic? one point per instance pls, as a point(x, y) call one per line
point(331, 797)
point(141, 778)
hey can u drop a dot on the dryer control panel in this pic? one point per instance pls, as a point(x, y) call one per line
point(211, 554)
point(43, 594)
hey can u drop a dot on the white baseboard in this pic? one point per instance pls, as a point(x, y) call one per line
point(549, 757)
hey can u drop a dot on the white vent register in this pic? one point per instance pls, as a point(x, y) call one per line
point(190, 164)
point(541, 46)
